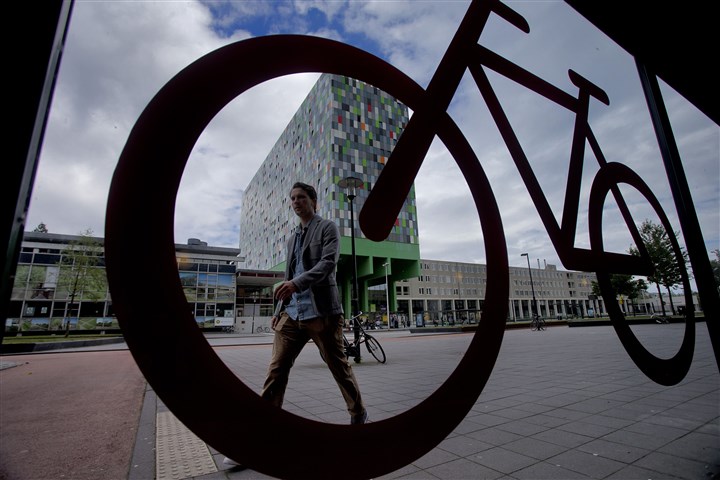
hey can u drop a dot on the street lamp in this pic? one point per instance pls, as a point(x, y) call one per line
point(254, 307)
point(458, 316)
point(537, 311)
point(387, 293)
point(351, 183)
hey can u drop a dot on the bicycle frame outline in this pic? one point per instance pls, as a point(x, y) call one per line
point(142, 196)
point(402, 167)
point(395, 180)
point(465, 53)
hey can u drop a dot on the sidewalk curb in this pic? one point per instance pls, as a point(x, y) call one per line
point(142, 464)
point(12, 349)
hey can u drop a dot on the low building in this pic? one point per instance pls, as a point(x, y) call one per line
point(454, 292)
point(55, 288)
point(222, 294)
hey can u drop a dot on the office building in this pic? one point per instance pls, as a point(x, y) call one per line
point(344, 128)
point(454, 292)
point(55, 285)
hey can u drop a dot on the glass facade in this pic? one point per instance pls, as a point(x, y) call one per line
point(60, 283)
point(56, 288)
point(210, 290)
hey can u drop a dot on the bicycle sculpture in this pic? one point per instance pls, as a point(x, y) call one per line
point(173, 354)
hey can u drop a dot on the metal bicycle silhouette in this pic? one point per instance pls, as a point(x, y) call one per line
point(179, 363)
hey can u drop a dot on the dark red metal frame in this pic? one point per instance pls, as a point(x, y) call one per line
point(177, 360)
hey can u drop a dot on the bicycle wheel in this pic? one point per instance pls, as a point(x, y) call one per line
point(668, 371)
point(142, 197)
point(373, 346)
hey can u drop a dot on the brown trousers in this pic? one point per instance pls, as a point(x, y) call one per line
point(291, 337)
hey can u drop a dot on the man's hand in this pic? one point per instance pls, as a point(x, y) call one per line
point(276, 323)
point(285, 290)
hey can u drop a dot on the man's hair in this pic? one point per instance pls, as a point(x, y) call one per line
point(309, 189)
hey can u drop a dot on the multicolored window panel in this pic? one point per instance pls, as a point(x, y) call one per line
point(343, 128)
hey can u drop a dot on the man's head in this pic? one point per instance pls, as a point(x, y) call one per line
point(304, 200)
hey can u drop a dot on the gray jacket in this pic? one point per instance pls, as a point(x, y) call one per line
point(320, 252)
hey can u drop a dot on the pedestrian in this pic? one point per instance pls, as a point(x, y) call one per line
point(311, 308)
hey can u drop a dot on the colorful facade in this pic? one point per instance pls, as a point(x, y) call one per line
point(343, 128)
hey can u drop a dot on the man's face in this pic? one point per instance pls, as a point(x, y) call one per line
point(301, 203)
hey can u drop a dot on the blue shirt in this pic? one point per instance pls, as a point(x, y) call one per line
point(301, 305)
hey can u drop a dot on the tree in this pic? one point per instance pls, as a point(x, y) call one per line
point(667, 268)
point(41, 228)
point(715, 264)
point(80, 273)
point(623, 284)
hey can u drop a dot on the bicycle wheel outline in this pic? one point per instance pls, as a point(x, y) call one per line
point(668, 371)
point(370, 340)
point(161, 333)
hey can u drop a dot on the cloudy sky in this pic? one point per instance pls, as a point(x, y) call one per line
point(120, 53)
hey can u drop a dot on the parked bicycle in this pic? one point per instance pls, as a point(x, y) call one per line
point(538, 323)
point(352, 349)
point(660, 318)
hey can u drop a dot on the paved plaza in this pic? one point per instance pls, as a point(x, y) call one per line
point(566, 403)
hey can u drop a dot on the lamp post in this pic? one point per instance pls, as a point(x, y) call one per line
point(387, 294)
point(458, 316)
point(254, 299)
point(537, 311)
point(351, 183)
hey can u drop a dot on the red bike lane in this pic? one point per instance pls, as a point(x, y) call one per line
point(69, 415)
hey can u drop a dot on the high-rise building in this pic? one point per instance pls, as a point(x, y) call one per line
point(343, 128)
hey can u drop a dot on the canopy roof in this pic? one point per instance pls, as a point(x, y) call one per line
point(677, 41)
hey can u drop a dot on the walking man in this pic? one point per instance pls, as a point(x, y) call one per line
point(312, 306)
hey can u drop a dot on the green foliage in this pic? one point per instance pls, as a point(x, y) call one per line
point(80, 270)
point(41, 228)
point(657, 242)
point(715, 264)
point(623, 285)
point(667, 267)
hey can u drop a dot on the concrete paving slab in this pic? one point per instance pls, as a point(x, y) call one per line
point(566, 403)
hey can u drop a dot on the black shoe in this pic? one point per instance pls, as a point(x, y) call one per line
point(359, 419)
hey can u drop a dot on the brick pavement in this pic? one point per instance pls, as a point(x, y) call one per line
point(68, 416)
